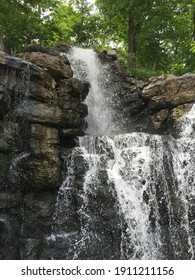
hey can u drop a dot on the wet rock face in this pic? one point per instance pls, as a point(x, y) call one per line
point(170, 91)
point(155, 106)
point(169, 97)
point(57, 66)
point(9, 233)
point(42, 92)
point(41, 112)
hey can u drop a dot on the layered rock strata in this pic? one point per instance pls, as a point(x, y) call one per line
point(41, 112)
point(154, 106)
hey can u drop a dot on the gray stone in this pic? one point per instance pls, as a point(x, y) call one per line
point(43, 138)
point(58, 67)
point(159, 118)
point(9, 200)
point(170, 91)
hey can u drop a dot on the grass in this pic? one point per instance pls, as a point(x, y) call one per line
point(136, 71)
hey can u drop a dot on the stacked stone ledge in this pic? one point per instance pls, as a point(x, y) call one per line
point(155, 106)
point(41, 111)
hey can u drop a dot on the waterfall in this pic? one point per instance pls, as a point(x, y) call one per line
point(102, 101)
point(130, 195)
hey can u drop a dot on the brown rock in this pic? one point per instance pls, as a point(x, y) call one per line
point(72, 86)
point(43, 203)
point(10, 136)
point(57, 66)
point(180, 111)
point(3, 75)
point(28, 72)
point(71, 132)
point(4, 103)
point(63, 47)
point(38, 92)
point(71, 118)
point(120, 69)
point(44, 79)
point(36, 112)
point(159, 118)
point(169, 91)
point(41, 171)
point(38, 48)
point(8, 199)
point(43, 138)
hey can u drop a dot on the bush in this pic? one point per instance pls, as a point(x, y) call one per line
point(137, 72)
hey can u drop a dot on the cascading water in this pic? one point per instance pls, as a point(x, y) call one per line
point(105, 114)
point(135, 192)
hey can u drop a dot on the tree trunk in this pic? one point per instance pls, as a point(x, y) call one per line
point(1, 42)
point(132, 32)
point(194, 24)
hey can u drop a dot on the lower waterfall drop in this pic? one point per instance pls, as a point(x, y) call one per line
point(125, 196)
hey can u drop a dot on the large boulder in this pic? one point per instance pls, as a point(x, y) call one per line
point(169, 91)
point(38, 170)
point(16, 71)
point(57, 66)
point(43, 138)
point(37, 112)
point(56, 50)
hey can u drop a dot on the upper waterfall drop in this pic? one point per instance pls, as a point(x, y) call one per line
point(131, 194)
point(102, 117)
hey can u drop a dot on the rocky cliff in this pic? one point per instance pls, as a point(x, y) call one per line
point(41, 114)
point(154, 106)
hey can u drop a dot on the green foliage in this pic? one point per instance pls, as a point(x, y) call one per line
point(143, 74)
point(22, 21)
point(162, 33)
point(139, 73)
point(165, 39)
point(74, 23)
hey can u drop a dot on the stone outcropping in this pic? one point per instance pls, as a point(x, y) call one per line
point(169, 97)
point(155, 106)
point(169, 91)
point(41, 112)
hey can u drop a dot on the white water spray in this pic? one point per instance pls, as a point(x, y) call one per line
point(101, 99)
point(152, 175)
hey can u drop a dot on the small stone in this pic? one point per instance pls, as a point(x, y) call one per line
point(159, 118)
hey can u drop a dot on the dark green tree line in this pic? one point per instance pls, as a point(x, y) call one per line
point(159, 34)
point(22, 21)
point(154, 34)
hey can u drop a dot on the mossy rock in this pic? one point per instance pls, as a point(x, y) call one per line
point(180, 111)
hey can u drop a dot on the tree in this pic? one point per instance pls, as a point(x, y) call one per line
point(130, 11)
point(1, 42)
point(74, 22)
point(159, 34)
point(26, 24)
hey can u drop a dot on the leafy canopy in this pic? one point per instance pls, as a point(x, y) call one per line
point(162, 32)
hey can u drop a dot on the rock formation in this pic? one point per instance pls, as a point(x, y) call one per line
point(160, 102)
point(41, 112)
